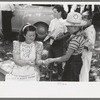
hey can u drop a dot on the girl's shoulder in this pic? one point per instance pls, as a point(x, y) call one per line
point(15, 42)
point(18, 43)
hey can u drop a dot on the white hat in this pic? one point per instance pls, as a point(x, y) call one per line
point(74, 19)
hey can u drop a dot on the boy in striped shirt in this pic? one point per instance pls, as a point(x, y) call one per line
point(76, 44)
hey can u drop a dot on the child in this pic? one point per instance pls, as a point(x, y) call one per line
point(73, 54)
point(26, 57)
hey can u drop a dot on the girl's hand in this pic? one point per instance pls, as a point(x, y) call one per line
point(31, 63)
point(48, 61)
point(40, 62)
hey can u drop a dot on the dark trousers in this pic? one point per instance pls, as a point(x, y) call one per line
point(56, 50)
point(72, 68)
point(6, 25)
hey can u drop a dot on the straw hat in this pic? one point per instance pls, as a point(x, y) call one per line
point(74, 19)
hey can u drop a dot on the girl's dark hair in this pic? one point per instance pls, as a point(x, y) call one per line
point(60, 8)
point(24, 30)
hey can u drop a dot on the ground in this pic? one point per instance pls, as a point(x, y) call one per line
point(95, 63)
point(49, 75)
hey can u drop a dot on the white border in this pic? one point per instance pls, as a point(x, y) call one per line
point(48, 2)
point(50, 89)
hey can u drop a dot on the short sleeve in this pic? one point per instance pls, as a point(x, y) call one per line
point(39, 48)
point(52, 25)
point(75, 42)
point(16, 47)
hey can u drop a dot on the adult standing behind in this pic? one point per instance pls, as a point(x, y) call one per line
point(27, 57)
point(89, 45)
point(7, 13)
point(87, 53)
point(56, 33)
point(73, 54)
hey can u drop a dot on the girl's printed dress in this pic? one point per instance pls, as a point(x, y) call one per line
point(27, 52)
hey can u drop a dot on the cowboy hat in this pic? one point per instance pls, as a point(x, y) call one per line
point(74, 19)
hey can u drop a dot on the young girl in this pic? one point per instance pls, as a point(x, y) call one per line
point(26, 57)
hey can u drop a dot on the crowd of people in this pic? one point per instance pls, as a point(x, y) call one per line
point(71, 36)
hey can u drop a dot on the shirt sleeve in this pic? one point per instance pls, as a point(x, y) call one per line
point(91, 33)
point(16, 47)
point(76, 42)
point(39, 48)
point(50, 26)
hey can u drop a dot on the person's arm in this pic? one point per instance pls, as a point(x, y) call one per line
point(39, 52)
point(62, 36)
point(61, 59)
point(90, 34)
point(73, 46)
point(49, 30)
point(48, 36)
point(19, 61)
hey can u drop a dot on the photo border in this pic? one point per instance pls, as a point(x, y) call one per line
point(5, 87)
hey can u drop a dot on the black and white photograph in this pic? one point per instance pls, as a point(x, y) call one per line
point(55, 42)
point(62, 43)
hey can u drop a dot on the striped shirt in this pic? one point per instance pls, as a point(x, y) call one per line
point(77, 43)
